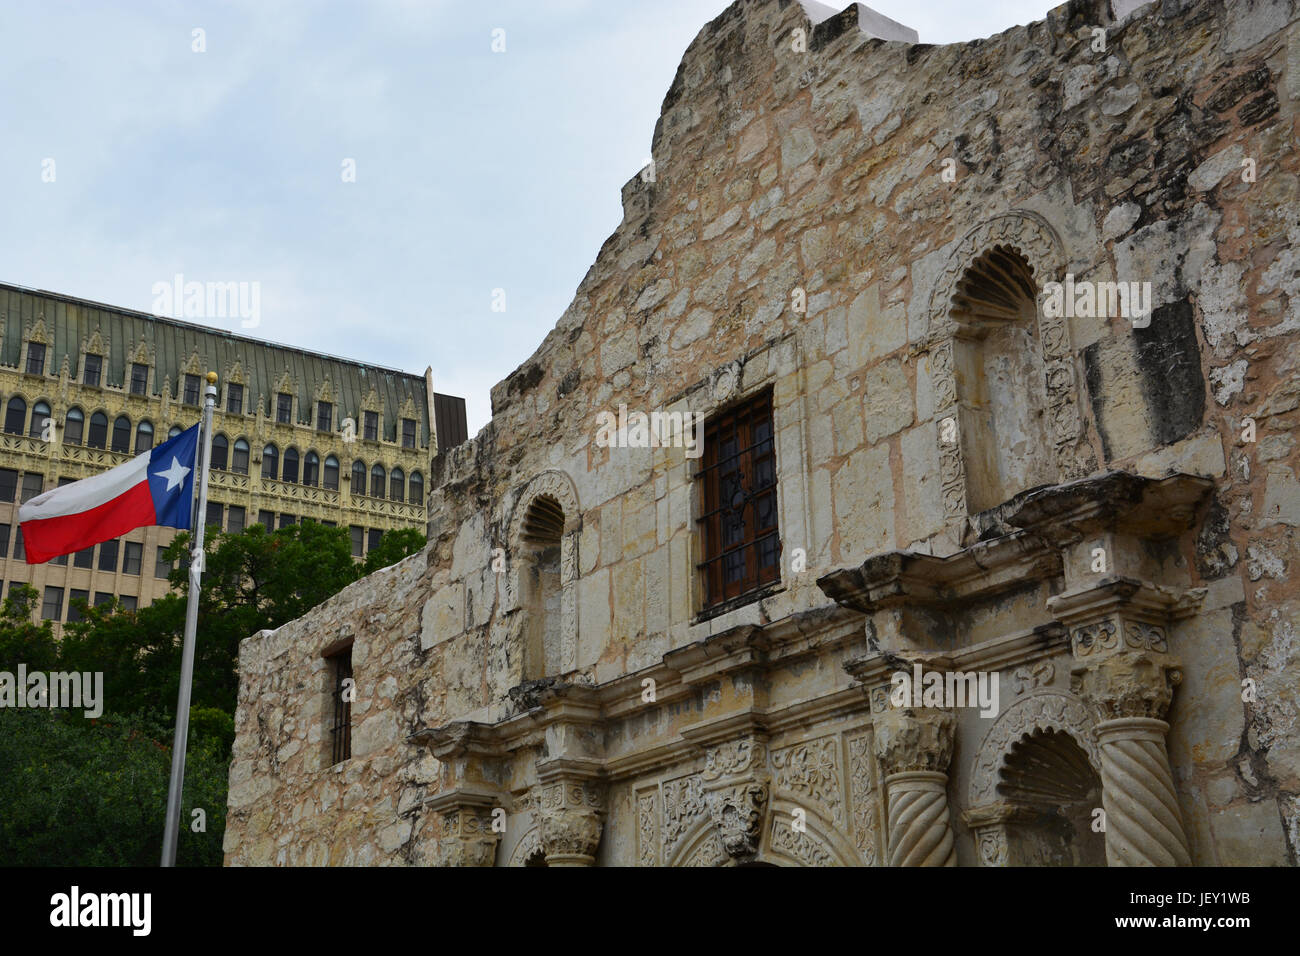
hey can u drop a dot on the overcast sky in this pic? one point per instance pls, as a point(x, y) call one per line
point(475, 170)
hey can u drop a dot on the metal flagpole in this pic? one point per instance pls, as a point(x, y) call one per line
point(179, 742)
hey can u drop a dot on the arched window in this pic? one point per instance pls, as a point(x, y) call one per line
point(220, 451)
point(417, 489)
point(174, 431)
point(40, 412)
point(15, 416)
point(239, 463)
point(143, 437)
point(290, 465)
point(270, 462)
point(397, 485)
point(122, 434)
point(330, 480)
point(98, 430)
point(75, 425)
point(542, 531)
point(358, 477)
point(377, 481)
point(311, 469)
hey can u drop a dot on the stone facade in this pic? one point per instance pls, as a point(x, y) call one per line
point(1100, 512)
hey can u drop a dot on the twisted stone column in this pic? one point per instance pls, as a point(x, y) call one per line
point(914, 746)
point(1130, 693)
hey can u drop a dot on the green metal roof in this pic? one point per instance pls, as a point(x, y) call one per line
point(69, 321)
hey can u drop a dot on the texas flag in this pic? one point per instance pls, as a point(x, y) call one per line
point(157, 488)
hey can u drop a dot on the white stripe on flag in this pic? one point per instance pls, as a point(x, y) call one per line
point(88, 493)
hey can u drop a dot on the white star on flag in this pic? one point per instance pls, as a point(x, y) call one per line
point(175, 475)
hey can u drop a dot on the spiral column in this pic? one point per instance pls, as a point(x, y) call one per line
point(914, 746)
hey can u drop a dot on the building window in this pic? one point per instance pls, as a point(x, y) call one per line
point(216, 511)
point(324, 417)
point(139, 378)
point(358, 539)
point(371, 432)
point(74, 426)
point(4, 541)
point(290, 465)
point(91, 373)
point(270, 462)
point(377, 481)
point(35, 358)
point(33, 485)
point(358, 477)
point(283, 408)
point(174, 431)
point(122, 434)
point(52, 606)
point(741, 542)
point(330, 479)
point(77, 600)
point(98, 430)
point(108, 555)
point(20, 553)
point(311, 469)
point(143, 437)
point(416, 496)
point(40, 413)
point(239, 463)
point(85, 558)
point(266, 519)
point(286, 520)
point(341, 712)
point(8, 484)
point(220, 449)
point(60, 559)
point(191, 396)
point(408, 432)
point(15, 416)
point(128, 601)
point(235, 399)
point(161, 566)
point(132, 557)
point(375, 535)
point(397, 485)
point(235, 519)
point(102, 598)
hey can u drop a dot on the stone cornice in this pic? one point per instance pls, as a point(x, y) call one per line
point(1117, 500)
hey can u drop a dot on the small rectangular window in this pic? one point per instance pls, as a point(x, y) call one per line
point(128, 601)
point(266, 519)
point(19, 553)
point(235, 519)
point(93, 365)
point(4, 541)
point(35, 358)
point(283, 408)
point(161, 566)
point(741, 542)
point(235, 399)
point(76, 598)
point(108, 555)
point(85, 558)
point(191, 390)
point(8, 484)
point(102, 598)
point(371, 432)
point(358, 540)
point(60, 560)
point(375, 535)
point(341, 711)
point(132, 557)
point(324, 417)
point(52, 606)
point(216, 510)
point(286, 520)
point(408, 432)
point(33, 485)
point(139, 378)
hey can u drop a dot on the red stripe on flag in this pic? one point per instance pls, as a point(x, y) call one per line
point(50, 537)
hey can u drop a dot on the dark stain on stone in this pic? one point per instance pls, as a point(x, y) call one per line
point(1170, 362)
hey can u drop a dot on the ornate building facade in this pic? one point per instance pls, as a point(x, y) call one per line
point(873, 424)
point(296, 435)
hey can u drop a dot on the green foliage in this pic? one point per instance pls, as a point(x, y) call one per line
point(21, 641)
point(393, 547)
point(94, 792)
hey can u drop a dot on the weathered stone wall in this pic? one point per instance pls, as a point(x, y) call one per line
point(823, 171)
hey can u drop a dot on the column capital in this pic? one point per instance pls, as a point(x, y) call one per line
point(912, 739)
point(570, 811)
point(468, 837)
point(1127, 684)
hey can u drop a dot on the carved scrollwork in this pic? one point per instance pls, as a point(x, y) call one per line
point(1139, 634)
point(1095, 638)
point(811, 770)
point(683, 807)
point(733, 757)
point(737, 812)
point(993, 848)
point(862, 793)
point(647, 821)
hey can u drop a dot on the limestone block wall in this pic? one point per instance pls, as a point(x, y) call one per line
point(894, 188)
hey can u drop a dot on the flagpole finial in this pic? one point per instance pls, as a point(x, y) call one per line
point(212, 378)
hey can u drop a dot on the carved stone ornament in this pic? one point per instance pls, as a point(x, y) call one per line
point(909, 739)
point(570, 835)
point(738, 812)
point(468, 839)
point(1130, 684)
